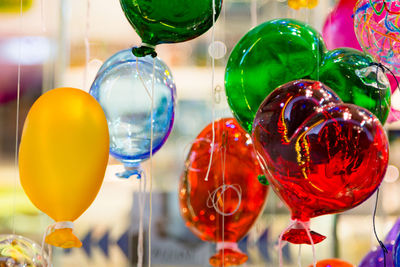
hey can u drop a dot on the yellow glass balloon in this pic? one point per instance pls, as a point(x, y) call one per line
point(297, 4)
point(63, 157)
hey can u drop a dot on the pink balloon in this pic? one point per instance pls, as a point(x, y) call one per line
point(338, 29)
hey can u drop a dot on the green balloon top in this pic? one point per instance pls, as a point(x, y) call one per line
point(271, 54)
point(172, 21)
point(284, 50)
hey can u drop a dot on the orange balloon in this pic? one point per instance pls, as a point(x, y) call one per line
point(63, 157)
point(333, 263)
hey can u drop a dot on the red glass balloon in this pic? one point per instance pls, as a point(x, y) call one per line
point(223, 208)
point(333, 263)
point(323, 156)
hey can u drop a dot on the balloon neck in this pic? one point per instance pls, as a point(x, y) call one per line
point(144, 50)
point(61, 235)
point(228, 254)
point(133, 169)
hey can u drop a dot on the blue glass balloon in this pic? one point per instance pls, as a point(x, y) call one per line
point(123, 89)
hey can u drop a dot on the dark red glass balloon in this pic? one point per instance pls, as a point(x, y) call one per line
point(323, 156)
point(223, 208)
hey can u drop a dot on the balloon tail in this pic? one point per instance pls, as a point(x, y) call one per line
point(300, 236)
point(144, 50)
point(228, 254)
point(131, 171)
point(63, 238)
point(298, 232)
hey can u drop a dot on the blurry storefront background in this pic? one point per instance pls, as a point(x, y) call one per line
point(49, 41)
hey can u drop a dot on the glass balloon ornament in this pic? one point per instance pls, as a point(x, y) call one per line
point(284, 50)
point(132, 108)
point(376, 24)
point(223, 207)
point(323, 156)
point(338, 29)
point(297, 4)
point(333, 263)
point(160, 21)
point(19, 251)
point(355, 78)
point(376, 257)
point(393, 233)
point(269, 55)
point(63, 157)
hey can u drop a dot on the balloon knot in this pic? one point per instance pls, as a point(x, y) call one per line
point(144, 50)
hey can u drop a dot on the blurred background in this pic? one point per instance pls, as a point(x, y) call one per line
point(49, 39)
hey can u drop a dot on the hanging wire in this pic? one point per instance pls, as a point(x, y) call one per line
point(384, 249)
point(42, 15)
point(142, 201)
point(17, 117)
point(212, 92)
point(87, 45)
point(151, 158)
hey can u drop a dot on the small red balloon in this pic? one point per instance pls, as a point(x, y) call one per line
point(333, 263)
point(224, 207)
point(323, 156)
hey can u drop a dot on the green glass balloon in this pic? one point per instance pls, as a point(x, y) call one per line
point(352, 75)
point(271, 54)
point(172, 21)
point(284, 50)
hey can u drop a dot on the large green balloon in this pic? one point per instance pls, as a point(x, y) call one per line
point(170, 21)
point(352, 76)
point(272, 54)
point(284, 50)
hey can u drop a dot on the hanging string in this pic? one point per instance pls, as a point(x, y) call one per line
point(384, 249)
point(87, 45)
point(212, 92)
point(253, 13)
point(42, 15)
point(142, 201)
point(17, 118)
point(151, 157)
point(299, 256)
point(151, 95)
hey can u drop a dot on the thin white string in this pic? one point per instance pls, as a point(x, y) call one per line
point(151, 157)
point(17, 118)
point(141, 79)
point(42, 15)
point(87, 45)
point(142, 200)
point(299, 256)
point(219, 194)
point(151, 146)
point(212, 93)
point(223, 198)
point(253, 12)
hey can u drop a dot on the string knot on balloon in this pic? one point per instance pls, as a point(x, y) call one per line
point(144, 50)
point(384, 69)
point(215, 199)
